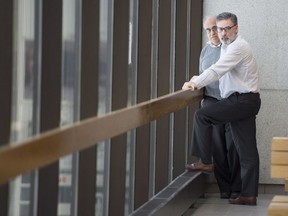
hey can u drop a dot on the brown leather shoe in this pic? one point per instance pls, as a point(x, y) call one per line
point(199, 166)
point(244, 200)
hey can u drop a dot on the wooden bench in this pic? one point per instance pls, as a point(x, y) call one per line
point(279, 170)
point(278, 206)
point(279, 158)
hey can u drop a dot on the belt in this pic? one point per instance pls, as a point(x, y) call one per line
point(207, 96)
point(247, 93)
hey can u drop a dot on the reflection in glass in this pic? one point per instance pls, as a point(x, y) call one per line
point(25, 98)
point(69, 102)
point(104, 104)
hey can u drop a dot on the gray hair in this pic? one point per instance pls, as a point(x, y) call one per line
point(227, 15)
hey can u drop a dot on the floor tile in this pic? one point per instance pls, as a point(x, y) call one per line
point(212, 205)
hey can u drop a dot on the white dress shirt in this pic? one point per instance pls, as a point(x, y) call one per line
point(236, 70)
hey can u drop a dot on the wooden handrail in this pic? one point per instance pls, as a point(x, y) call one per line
point(48, 147)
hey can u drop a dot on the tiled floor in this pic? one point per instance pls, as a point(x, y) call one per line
point(212, 205)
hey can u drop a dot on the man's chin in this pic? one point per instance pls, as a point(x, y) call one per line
point(226, 42)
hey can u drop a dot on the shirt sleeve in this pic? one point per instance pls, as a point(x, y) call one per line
point(229, 60)
point(205, 78)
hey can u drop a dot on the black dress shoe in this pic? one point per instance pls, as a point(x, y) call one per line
point(224, 195)
point(234, 195)
point(244, 200)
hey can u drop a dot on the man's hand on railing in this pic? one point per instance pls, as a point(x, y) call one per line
point(190, 85)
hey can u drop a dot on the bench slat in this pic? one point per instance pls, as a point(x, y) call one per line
point(280, 199)
point(279, 171)
point(278, 206)
point(280, 144)
point(278, 209)
point(279, 158)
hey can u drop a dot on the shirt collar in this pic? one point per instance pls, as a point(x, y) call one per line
point(212, 45)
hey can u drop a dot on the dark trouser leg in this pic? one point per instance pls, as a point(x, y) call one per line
point(221, 166)
point(233, 161)
point(226, 160)
point(222, 170)
point(243, 133)
point(239, 110)
point(202, 132)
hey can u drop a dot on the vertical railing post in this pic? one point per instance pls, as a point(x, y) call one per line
point(89, 104)
point(119, 100)
point(50, 100)
point(6, 68)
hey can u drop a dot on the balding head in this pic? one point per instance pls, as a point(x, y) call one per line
point(211, 30)
point(209, 20)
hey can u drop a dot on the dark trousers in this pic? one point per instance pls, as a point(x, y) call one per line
point(225, 156)
point(239, 111)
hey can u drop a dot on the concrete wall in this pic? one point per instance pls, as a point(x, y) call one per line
point(265, 26)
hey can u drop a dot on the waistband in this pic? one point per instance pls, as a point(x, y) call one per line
point(248, 93)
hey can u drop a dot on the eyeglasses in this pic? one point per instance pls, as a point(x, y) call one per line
point(226, 29)
point(214, 29)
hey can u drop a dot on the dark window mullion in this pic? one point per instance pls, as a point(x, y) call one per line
point(50, 100)
point(195, 49)
point(180, 77)
point(163, 87)
point(89, 104)
point(119, 100)
point(6, 68)
point(142, 149)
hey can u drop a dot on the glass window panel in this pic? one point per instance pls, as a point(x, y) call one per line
point(69, 102)
point(26, 86)
point(104, 105)
point(25, 79)
point(132, 98)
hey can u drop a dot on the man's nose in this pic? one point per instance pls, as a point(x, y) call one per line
point(222, 33)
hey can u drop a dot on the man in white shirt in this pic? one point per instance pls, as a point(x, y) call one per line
point(225, 157)
point(237, 73)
